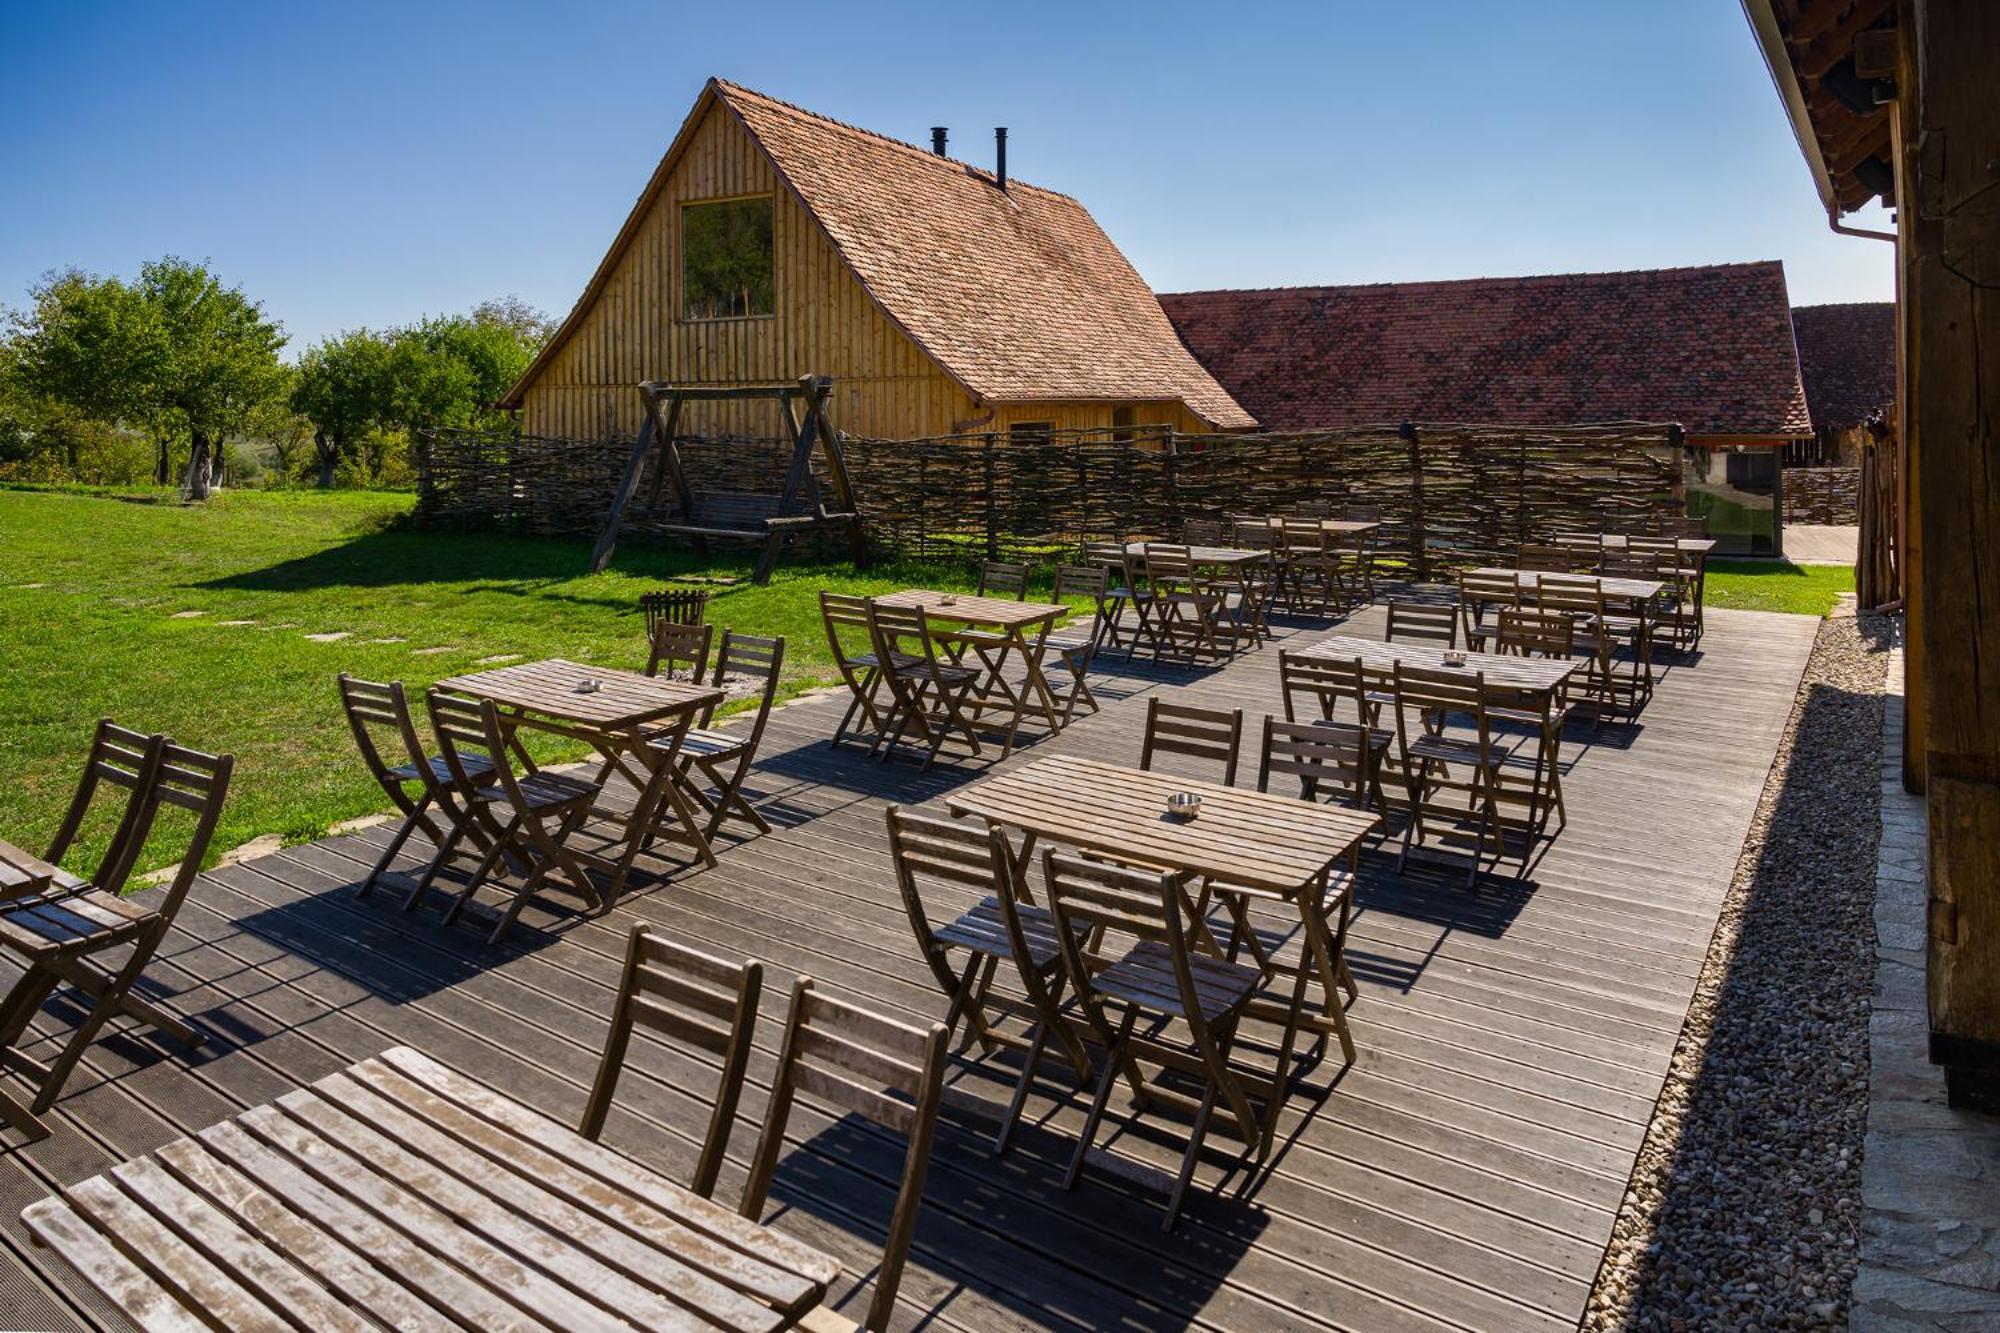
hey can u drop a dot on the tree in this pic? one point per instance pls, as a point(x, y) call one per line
point(215, 359)
point(176, 354)
point(282, 431)
point(343, 389)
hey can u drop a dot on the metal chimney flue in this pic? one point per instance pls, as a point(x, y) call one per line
point(1000, 156)
point(937, 139)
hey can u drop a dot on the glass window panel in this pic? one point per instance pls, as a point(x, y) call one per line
point(726, 259)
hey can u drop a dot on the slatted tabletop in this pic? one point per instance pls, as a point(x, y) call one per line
point(1339, 527)
point(970, 610)
point(398, 1193)
point(551, 689)
point(1280, 844)
point(1204, 555)
point(1618, 590)
point(1528, 674)
point(22, 873)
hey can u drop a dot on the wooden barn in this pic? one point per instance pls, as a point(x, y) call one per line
point(941, 297)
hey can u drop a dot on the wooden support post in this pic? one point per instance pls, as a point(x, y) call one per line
point(992, 498)
point(1407, 432)
point(1953, 379)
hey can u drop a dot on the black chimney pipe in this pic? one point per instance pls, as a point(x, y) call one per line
point(1000, 155)
point(937, 139)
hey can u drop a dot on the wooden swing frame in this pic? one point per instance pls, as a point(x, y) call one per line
point(774, 520)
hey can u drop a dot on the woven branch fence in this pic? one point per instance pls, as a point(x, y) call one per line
point(1449, 495)
point(1822, 495)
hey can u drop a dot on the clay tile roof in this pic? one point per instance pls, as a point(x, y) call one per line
point(1708, 347)
point(1847, 356)
point(1018, 294)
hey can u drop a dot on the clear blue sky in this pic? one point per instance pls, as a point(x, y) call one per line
point(364, 163)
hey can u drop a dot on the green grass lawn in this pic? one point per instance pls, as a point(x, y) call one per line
point(101, 634)
point(94, 587)
point(1777, 585)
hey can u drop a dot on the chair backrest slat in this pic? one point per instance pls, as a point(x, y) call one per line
point(679, 649)
point(1333, 753)
point(998, 578)
point(1328, 681)
point(126, 760)
point(755, 658)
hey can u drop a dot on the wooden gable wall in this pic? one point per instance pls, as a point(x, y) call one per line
point(825, 323)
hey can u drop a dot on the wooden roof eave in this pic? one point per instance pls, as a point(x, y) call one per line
point(1778, 60)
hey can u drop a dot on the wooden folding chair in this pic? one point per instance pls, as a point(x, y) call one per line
point(854, 1060)
point(120, 764)
point(1211, 734)
point(1004, 925)
point(925, 691)
point(1076, 649)
point(1478, 593)
point(682, 994)
point(1096, 906)
point(541, 808)
point(1201, 532)
point(723, 757)
point(1599, 637)
point(384, 706)
point(60, 936)
point(679, 651)
point(1183, 605)
point(1436, 794)
point(1311, 573)
point(1321, 755)
point(1678, 606)
point(1124, 590)
point(1422, 622)
point(860, 672)
point(1549, 634)
point(1552, 557)
point(1354, 562)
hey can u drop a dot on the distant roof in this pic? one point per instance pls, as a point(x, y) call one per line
point(1018, 294)
point(1847, 356)
point(1709, 347)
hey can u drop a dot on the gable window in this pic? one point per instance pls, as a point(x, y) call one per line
point(726, 259)
point(1031, 432)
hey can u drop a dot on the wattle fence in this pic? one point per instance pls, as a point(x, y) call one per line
point(1449, 495)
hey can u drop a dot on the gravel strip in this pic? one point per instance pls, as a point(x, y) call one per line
point(1744, 1209)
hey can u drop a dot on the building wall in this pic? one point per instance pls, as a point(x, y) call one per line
point(824, 323)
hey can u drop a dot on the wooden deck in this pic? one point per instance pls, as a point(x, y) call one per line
point(1464, 1173)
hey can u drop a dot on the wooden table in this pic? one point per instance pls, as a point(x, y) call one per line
point(1023, 632)
point(620, 720)
point(1335, 527)
point(1527, 675)
point(1636, 592)
point(1617, 541)
point(23, 874)
point(1249, 843)
point(401, 1194)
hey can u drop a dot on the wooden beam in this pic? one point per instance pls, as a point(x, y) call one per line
point(607, 540)
point(1955, 381)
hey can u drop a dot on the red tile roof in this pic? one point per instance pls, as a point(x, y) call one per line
point(1847, 356)
point(1708, 347)
point(1017, 294)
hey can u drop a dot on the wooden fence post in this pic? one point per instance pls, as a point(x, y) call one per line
point(992, 499)
point(1407, 432)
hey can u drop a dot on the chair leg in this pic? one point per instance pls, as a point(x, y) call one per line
point(1113, 1060)
point(480, 873)
point(102, 1010)
point(1196, 1134)
point(1032, 1061)
point(438, 862)
point(403, 832)
point(22, 1003)
point(16, 1113)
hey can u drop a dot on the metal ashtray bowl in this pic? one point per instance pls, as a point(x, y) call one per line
point(949, 599)
point(589, 685)
point(1454, 658)
point(1183, 805)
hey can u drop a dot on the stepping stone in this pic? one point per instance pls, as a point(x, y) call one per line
point(332, 636)
point(235, 622)
point(426, 652)
point(261, 845)
point(388, 640)
point(356, 825)
point(187, 615)
point(31, 585)
point(496, 659)
point(287, 624)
